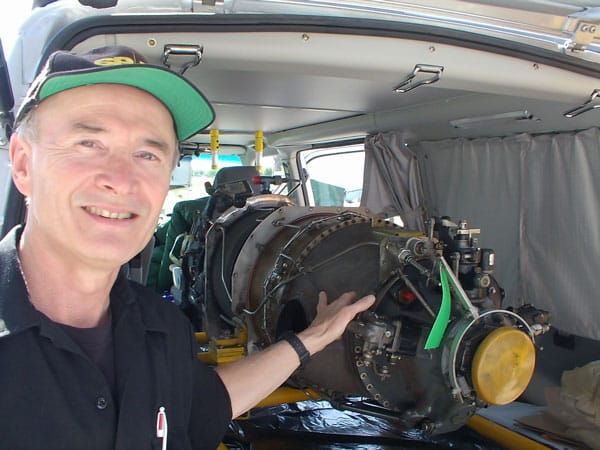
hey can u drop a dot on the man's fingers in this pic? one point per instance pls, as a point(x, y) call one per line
point(332, 319)
point(346, 298)
point(322, 297)
point(322, 301)
point(364, 303)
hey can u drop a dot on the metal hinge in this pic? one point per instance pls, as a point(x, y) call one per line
point(583, 28)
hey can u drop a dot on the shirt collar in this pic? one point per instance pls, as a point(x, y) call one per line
point(127, 294)
point(18, 314)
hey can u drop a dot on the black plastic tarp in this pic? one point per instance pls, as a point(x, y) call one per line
point(316, 425)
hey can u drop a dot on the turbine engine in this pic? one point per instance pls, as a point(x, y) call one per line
point(434, 348)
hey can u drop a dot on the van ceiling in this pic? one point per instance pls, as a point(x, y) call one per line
point(304, 87)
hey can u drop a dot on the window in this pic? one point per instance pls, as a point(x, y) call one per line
point(334, 175)
point(5, 182)
point(189, 178)
point(272, 166)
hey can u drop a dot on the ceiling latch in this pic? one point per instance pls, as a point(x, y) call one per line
point(427, 75)
point(191, 55)
point(592, 103)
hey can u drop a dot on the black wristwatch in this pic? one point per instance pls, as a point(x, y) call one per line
point(297, 345)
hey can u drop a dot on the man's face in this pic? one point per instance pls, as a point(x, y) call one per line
point(96, 172)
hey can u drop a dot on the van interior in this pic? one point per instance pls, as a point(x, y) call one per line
point(447, 167)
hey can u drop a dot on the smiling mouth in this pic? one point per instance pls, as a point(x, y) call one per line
point(108, 214)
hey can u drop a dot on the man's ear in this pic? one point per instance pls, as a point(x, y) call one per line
point(19, 153)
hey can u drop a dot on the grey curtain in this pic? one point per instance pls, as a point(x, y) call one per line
point(392, 182)
point(537, 202)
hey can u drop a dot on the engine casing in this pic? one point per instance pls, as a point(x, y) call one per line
point(421, 354)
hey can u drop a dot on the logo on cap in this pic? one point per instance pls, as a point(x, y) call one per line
point(116, 61)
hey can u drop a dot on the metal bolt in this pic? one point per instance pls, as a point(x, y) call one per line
point(305, 37)
point(151, 42)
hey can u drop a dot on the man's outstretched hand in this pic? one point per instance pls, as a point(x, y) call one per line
point(249, 380)
point(332, 319)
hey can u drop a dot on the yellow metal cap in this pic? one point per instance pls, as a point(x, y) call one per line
point(503, 365)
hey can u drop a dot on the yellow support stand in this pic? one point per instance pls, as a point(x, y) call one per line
point(503, 436)
point(226, 350)
point(259, 147)
point(214, 148)
point(222, 351)
point(286, 394)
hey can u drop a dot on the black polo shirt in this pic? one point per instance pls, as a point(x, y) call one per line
point(52, 396)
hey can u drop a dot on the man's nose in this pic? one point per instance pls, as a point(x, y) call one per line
point(117, 175)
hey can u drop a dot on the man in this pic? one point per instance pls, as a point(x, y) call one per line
point(89, 359)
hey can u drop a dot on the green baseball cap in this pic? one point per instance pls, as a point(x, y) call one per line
point(189, 108)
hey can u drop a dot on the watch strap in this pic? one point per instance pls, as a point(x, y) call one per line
point(297, 345)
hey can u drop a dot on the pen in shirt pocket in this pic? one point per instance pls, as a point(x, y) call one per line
point(162, 428)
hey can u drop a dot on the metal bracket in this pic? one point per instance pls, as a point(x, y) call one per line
point(210, 6)
point(193, 51)
point(407, 84)
point(592, 103)
point(586, 28)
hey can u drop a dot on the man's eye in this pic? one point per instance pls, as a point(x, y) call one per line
point(88, 143)
point(149, 156)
